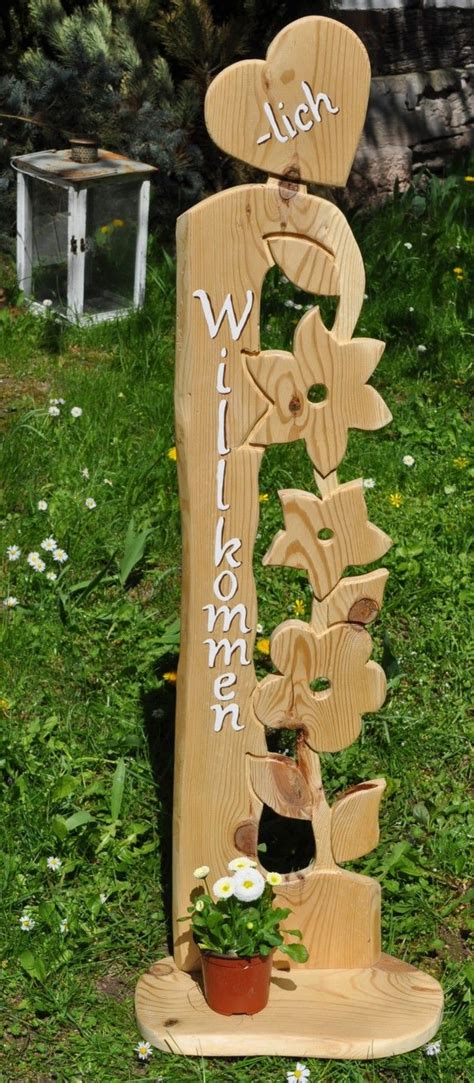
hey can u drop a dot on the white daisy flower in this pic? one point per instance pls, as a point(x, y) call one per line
point(13, 552)
point(301, 1072)
point(61, 402)
point(85, 473)
point(433, 1049)
point(60, 555)
point(10, 602)
point(241, 863)
point(421, 349)
point(54, 863)
point(35, 562)
point(90, 503)
point(199, 905)
point(103, 897)
point(76, 411)
point(143, 1050)
point(54, 411)
point(47, 303)
point(369, 483)
point(201, 872)
point(64, 926)
point(224, 887)
point(53, 402)
point(49, 544)
point(273, 878)
point(42, 505)
point(259, 629)
point(51, 576)
point(107, 481)
point(407, 244)
point(408, 460)
point(248, 885)
point(411, 309)
point(27, 923)
point(120, 395)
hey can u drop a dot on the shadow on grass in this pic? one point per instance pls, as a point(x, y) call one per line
point(159, 710)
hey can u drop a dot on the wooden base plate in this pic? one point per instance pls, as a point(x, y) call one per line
point(343, 1014)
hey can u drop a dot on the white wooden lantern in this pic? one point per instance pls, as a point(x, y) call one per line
point(82, 233)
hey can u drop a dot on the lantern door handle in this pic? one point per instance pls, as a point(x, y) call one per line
point(74, 246)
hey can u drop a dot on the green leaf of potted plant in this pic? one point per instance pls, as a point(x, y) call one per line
point(237, 929)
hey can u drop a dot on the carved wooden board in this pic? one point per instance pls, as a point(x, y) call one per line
point(297, 115)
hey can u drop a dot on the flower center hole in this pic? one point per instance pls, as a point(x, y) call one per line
point(325, 534)
point(317, 393)
point(320, 684)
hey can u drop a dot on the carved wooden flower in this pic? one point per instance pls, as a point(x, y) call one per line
point(325, 535)
point(340, 371)
point(331, 719)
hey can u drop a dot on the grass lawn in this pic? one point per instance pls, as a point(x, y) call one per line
point(88, 658)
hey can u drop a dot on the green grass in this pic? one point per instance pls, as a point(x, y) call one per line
point(86, 711)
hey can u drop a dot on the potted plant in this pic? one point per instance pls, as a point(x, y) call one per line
point(237, 929)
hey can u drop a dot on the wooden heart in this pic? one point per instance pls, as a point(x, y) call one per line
point(300, 112)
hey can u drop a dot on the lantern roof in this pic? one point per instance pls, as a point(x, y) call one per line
point(57, 166)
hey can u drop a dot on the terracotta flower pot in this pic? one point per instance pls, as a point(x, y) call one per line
point(236, 986)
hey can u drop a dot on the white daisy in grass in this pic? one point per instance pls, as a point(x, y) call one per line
point(61, 402)
point(60, 555)
point(76, 411)
point(408, 244)
point(259, 627)
point(42, 505)
point(85, 473)
point(10, 601)
point(54, 863)
point(107, 481)
point(143, 1050)
point(51, 576)
point(35, 562)
point(201, 872)
point(54, 402)
point(273, 878)
point(301, 1072)
point(49, 545)
point(103, 897)
point(90, 503)
point(27, 923)
point(64, 926)
point(421, 348)
point(369, 483)
point(248, 885)
point(224, 887)
point(408, 460)
point(241, 863)
point(54, 411)
point(433, 1049)
point(13, 552)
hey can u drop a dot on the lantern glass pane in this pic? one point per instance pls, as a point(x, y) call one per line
point(112, 221)
point(49, 213)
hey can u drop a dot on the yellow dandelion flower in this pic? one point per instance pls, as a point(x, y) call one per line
point(461, 462)
point(105, 229)
point(118, 222)
point(470, 180)
point(263, 646)
point(460, 278)
point(299, 607)
point(263, 497)
point(172, 454)
point(170, 677)
point(396, 500)
point(458, 270)
point(4, 705)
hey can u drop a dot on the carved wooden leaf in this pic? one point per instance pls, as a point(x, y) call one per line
point(306, 264)
point(280, 784)
point(355, 820)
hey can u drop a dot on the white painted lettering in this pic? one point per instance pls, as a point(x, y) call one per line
point(273, 123)
point(309, 123)
point(221, 444)
point(228, 615)
point(221, 504)
point(220, 385)
point(222, 712)
point(314, 103)
point(225, 549)
point(232, 588)
point(213, 325)
point(228, 648)
point(226, 680)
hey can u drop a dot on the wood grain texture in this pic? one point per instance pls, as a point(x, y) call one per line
point(320, 143)
point(330, 719)
point(341, 371)
point(340, 914)
point(354, 539)
point(357, 597)
point(222, 254)
point(355, 820)
point(346, 1014)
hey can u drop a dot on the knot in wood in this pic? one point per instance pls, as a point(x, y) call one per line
point(246, 838)
point(363, 611)
point(288, 188)
point(295, 405)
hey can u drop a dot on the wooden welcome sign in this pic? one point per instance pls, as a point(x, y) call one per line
point(298, 116)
